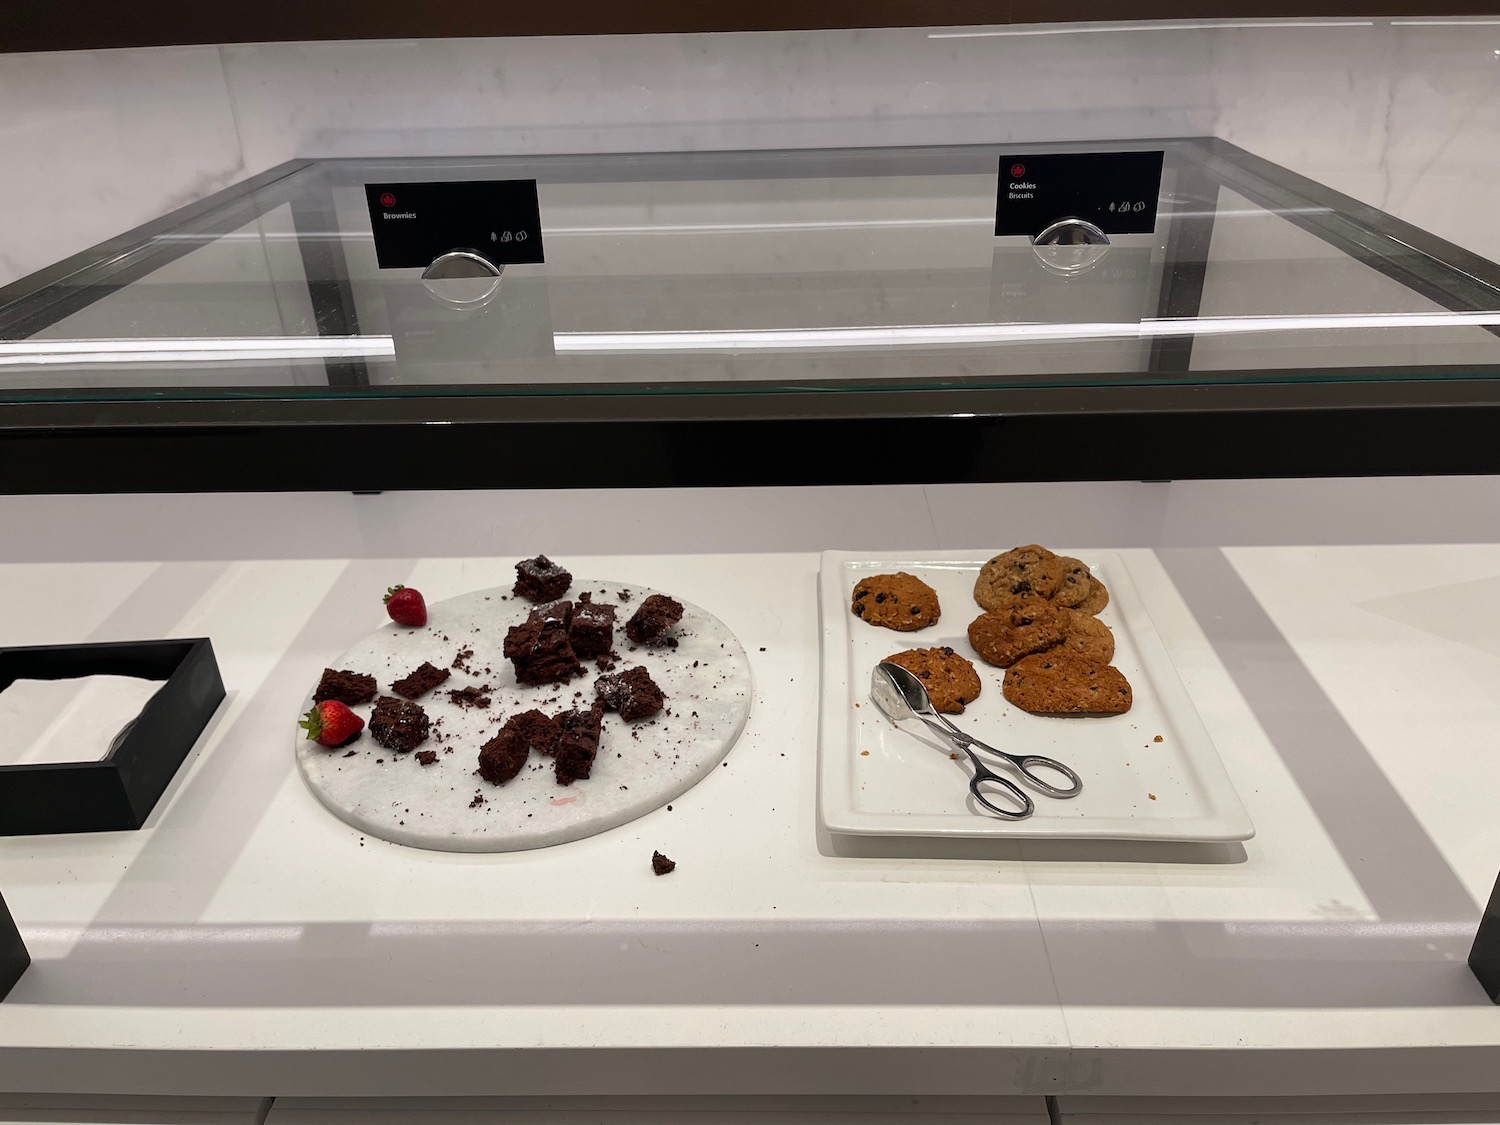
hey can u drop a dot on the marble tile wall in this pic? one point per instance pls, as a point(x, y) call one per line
point(1404, 117)
point(93, 143)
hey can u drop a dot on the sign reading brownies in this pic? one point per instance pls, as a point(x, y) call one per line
point(415, 223)
point(1116, 191)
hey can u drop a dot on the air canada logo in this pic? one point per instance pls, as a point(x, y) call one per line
point(1016, 170)
point(387, 199)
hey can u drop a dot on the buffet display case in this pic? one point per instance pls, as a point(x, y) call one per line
point(1252, 406)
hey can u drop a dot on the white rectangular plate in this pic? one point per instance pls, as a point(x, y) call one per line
point(875, 780)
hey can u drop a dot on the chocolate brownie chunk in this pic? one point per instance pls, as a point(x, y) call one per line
point(633, 693)
point(1003, 636)
point(419, 683)
point(950, 680)
point(897, 601)
point(427, 757)
point(1086, 636)
point(577, 744)
point(541, 580)
point(593, 630)
point(398, 724)
point(661, 865)
point(502, 757)
point(1054, 683)
point(345, 687)
point(1098, 597)
point(649, 624)
point(539, 647)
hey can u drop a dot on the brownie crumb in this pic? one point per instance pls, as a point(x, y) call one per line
point(633, 693)
point(661, 865)
point(344, 687)
point(419, 683)
point(398, 724)
point(541, 580)
point(477, 801)
point(471, 696)
point(649, 624)
point(427, 757)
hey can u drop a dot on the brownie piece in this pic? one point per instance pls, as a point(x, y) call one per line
point(661, 865)
point(577, 743)
point(649, 624)
point(398, 724)
point(420, 682)
point(345, 687)
point(539, 647)
point(633, 693)
point(427, 757)
point(593, 631)
point(540, 580)
point(502, 757)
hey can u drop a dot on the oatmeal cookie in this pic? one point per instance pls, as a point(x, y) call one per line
point(950, 679)
point(1086, 636)
point(1051, 683)
point(1003, 636)
point(1072, 585)
point(1030, 571)
point(898, 601)
point(1097, 599)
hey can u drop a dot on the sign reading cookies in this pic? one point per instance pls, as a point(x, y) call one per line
point(1116, 191)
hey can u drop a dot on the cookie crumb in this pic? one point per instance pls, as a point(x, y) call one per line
point(661, 865)
point(1158, 738)
point(1151, 795)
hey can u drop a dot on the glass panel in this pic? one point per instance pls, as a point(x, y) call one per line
point(819, 269)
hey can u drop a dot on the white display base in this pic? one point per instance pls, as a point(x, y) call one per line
point(641, 766)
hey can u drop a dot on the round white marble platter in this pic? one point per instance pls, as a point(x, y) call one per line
point(640, 766)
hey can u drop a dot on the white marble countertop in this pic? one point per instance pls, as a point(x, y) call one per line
point(246, 942)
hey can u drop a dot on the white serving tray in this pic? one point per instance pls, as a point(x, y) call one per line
point(875, 780)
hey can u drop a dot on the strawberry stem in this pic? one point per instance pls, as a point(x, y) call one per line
point(312, 723)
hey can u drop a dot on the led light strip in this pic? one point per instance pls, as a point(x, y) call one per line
point(957, 335)
point(15, 353)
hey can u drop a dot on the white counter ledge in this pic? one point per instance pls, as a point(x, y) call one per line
point(248, 943)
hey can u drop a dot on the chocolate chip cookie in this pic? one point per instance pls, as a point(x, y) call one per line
point(898, 601)
point(950, 679)
point(1003, 636)
point(1086, 636)
point(1054, 683)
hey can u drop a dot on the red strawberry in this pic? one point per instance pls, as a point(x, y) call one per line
point(332, 724)
point(406, 606)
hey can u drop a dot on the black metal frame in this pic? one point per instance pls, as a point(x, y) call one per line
point(1166, 423)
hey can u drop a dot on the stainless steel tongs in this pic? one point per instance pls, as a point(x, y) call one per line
point(902, 697)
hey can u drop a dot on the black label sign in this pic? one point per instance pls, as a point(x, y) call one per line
point(415, 223)
point(1116, 191)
